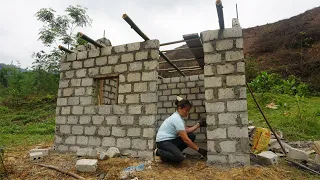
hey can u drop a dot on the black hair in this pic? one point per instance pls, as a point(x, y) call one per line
point(183, 103)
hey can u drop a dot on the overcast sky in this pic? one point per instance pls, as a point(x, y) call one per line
point(166, 20)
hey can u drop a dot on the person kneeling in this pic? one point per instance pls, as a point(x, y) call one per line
point(174, 136)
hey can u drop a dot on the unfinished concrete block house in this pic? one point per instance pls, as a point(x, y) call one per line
point(117, 96)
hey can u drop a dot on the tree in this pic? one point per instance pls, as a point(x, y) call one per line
point(58, 29)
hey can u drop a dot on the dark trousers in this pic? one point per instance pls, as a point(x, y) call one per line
point(171, 150)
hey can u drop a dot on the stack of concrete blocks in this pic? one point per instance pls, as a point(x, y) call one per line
point(225, 95)
point(191, 88)
point(110, 91)
point(130, 124)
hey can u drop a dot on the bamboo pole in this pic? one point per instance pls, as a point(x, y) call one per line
point(220, 13)
point(65, 49)
point(88, 39)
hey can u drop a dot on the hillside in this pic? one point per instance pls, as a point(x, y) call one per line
point(275, 47)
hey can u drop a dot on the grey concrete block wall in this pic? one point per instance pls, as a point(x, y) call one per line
point(130, 124)
point(225, 96)
point(191, 88)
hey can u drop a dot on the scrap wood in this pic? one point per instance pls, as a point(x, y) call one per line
point(62, 171)
point(316, 147)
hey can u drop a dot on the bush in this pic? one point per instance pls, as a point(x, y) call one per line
point(275, 84)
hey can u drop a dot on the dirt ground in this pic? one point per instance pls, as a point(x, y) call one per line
point(18, 166)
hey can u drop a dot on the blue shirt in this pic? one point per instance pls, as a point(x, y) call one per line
point(170, 127)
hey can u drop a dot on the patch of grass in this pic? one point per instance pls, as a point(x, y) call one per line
point(303, 124)
point(27, 125)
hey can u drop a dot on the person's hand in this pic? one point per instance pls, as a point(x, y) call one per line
point(203, 122)
point(203, 152)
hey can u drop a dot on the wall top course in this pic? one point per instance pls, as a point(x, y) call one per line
point(83, 51)
point(211, 35)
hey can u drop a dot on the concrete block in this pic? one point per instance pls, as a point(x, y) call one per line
point(237, 132)
point(150, 76)
point(127, 57)
point(97, 119)
point(243, 159)
point(65, 66)
point(236, 80)
point(150, 65)
point(207, 47)
point(154, 54)
point(232, 32)
point(113, 59)
point(45, 152)
point(101, 61)
point(104, 131)
point(106, 51)
point(118, 109)
point(71, 56)
point(119, 48)
point(135, 109)
point(140, 87)
point(94, 53)
point(120, 68)
point(90, 152)
point(111, 120)
point(240, 105)
point(297, 154)
point(134, 77)
point(151, 44)
point(82, 140)
point(217, 159)
point(87, 82)
point(91, 130)
point(212, 82)
point(77, 64)
point(225, 69)
point(228, 146)
point(113, 152)
point(106, 70)
point(82, 55)
point(108, 141)
point(134, 132)
point(239, 43)
point(85, 119)
point(218, 133)
point(224, 44)
point(267, 158)
point(124, 143)
point(141, 55)
point(226, 93)
point(139, 144)
point(209, 35)
point(147, 120)
point(126, 120)
point(136, 66)
point(235, 22)
point(234, 55)
point(215, 107)
point(133, 46)
point(149, 97)
point(70, 140)
point(118, 131)
point(227, 118)
point(36, 156)
point(87, 165)
point(149, 132)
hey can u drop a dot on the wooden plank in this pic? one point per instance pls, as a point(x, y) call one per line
point(101, 88)
point(197, 52)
